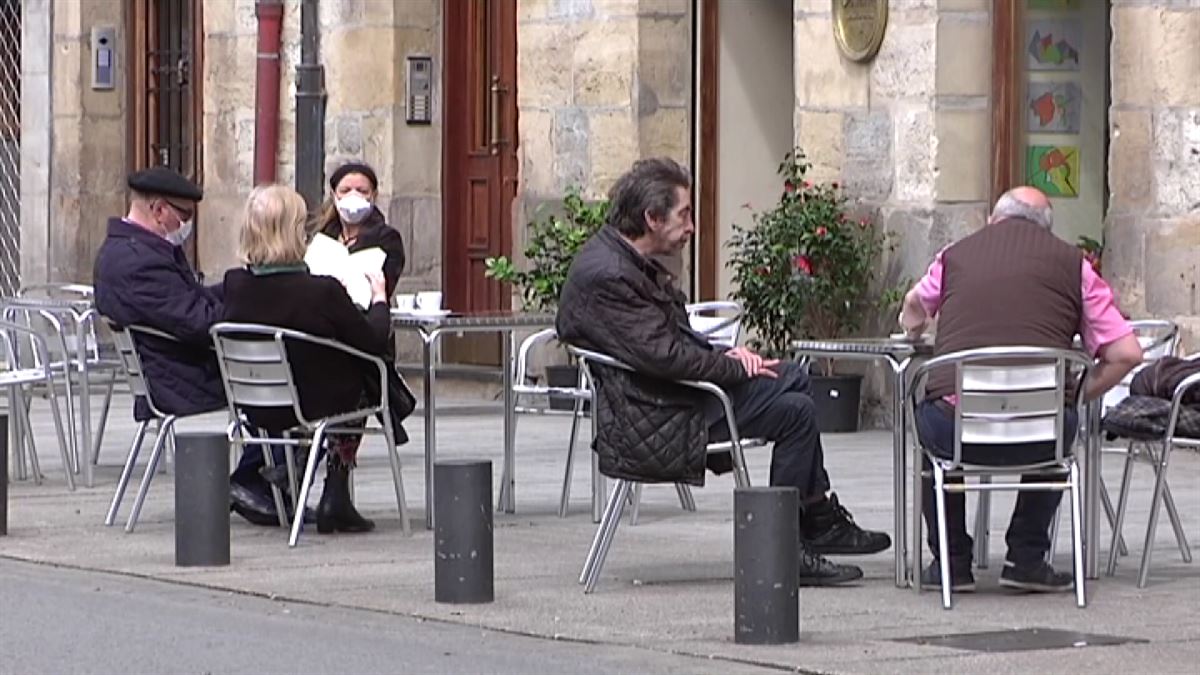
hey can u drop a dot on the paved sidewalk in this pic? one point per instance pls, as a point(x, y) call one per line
point(667, 585)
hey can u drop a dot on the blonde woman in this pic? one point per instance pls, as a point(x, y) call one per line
point(275, 288)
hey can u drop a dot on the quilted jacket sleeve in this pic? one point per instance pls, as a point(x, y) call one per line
point(167, 300)
point(633, 329)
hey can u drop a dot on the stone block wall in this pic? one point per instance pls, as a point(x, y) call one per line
point(364, 46)
point(229, 75)
point(600, 84)
point(907, 134)
point(86, 144)
point(1152, 233)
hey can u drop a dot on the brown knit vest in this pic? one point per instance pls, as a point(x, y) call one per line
point(1011, 283)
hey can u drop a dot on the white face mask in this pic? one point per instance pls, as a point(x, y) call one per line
point(180, 235)
point(353, 208)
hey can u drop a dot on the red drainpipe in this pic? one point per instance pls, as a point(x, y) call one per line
point(266, 105)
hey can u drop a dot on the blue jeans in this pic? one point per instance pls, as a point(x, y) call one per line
point(1028, 535)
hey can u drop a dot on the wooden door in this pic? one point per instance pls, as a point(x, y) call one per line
point(480, 161)
point(164, 92)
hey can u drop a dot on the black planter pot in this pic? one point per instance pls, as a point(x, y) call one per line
point(564, 376)
point(836, 398)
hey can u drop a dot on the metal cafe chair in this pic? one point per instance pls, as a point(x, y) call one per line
point(126, 340)
point(1006, 395)
point(19, 380)
point(1158, 454)
point(66, 318)
point(589, 360)
point(257, 373)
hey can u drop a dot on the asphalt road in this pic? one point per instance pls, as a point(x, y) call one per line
point(55, 620)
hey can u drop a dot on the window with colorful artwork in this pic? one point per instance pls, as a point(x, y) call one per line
point(1065, 110)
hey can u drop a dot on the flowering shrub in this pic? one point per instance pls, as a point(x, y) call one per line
point(803, 268)
point(553, 243)
point(1092, 250)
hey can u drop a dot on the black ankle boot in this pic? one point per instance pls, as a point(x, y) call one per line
point(336, 513)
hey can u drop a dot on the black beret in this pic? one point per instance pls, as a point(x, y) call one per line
point(353, 167)
point(164, 182)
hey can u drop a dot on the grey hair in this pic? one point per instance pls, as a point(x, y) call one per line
point(1010, 206)
point(648, 187)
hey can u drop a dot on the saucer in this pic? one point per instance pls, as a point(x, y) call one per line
point(426, 313)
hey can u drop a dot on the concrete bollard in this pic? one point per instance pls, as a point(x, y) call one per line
point(766, 542)
point(462, 516)
point(3, 475)
point(201, 499)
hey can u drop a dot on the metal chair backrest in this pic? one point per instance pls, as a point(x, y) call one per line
point(1158, 338)
point(254, 364)
point(1009, 395)
point(257, 373)
point(125, 339)
point(719, 320)
point(63, 321)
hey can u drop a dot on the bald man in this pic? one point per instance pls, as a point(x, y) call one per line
point(1011, 283)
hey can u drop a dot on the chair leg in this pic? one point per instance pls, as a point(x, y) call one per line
point(1077, 537)
point(1111, 514)
point(1185, 551)
point(565, 501)
point(66, 441)
point(1122, 502)
point(306, 485)
point(29, 445)
point(635, 500)
point(19, 468)
point(685, 497)
point(983, 517)
point(604, 536)
point(166, 427)
point(1160, 481)
point(126, 472)
point(939, 495)
point(103, 422)
point(916, 546)
point(268, 454)
point(389, 438)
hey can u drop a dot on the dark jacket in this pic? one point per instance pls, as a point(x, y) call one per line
point(618, 302)
point(375, 232)
point(141, 278)
point(328, 382)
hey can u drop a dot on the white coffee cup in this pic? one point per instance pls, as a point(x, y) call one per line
point(405, 302)
point(429, 301)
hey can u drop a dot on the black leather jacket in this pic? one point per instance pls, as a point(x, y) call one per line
point(618, 302)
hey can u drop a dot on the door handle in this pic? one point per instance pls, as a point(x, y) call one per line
point(495, 141)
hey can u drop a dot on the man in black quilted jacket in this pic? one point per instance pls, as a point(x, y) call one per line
point(620, 301)
point(142, 277)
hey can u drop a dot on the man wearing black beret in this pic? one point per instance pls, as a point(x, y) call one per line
point(142, 277)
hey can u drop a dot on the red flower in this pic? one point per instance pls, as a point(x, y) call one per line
point(762, 271)
point(789, 186)
point(807, 184)
point(834, 185)
point(821, 231)
point(802, 264)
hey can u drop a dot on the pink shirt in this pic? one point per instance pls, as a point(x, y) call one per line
point(1100, 324)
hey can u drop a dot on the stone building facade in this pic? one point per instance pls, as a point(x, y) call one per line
point(910, 133)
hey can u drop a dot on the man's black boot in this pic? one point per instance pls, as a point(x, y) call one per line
point(336, 513)
point(827, 528)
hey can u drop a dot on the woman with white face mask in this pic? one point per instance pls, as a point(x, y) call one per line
point(351, 217)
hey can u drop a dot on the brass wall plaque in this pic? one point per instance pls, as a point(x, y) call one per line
point(858, 27)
